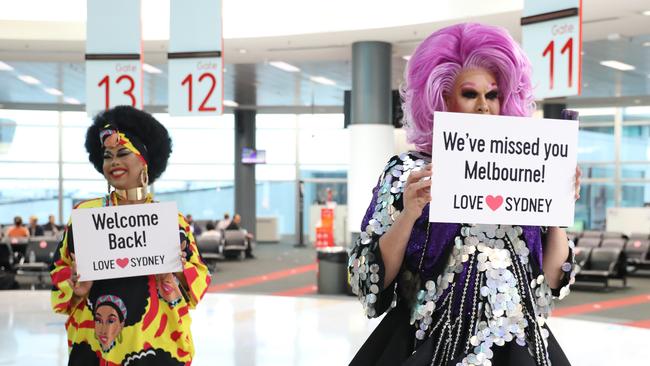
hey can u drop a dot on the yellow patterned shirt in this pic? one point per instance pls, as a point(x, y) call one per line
point(140, 320)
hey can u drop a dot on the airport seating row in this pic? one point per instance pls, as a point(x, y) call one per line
point(601, 264)
point(636, 247)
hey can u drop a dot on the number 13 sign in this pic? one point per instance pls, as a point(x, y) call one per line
point(112, 83)
point(554, 49)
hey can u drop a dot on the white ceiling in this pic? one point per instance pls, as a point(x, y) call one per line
point(37, 37)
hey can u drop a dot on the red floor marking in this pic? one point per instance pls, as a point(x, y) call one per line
point(249, 281)
point(297, 291)
point(601, 305)
point(639, 324)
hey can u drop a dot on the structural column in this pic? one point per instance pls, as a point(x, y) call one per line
point(371, 130)
point(245, 173)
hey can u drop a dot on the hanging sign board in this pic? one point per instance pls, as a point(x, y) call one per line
point(113, 55)
point(195, 58)
point(552, 40)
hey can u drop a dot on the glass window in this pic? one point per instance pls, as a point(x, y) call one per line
point(74, 140)
point(206, 203)
point(591, 208)
point(280, 145)
point(635, 194)
point(26, 197)
point(323, 140)
point(278, 199)
point(596, 145)
point(635, 143)
point(29, 170)
point(28, 143)
point(213, 172)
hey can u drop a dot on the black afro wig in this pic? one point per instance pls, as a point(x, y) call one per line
point(132, 122)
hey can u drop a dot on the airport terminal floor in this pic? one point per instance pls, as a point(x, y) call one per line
point(324, 183)
point(266, 312)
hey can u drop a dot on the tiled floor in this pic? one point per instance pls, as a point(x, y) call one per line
point(261, 330)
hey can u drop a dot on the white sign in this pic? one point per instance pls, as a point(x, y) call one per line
point(113, 83)
point(126, 241)
point(113, 55)
point(195, 58)
point(553, 48)
point(196, 86)
point(503, 170)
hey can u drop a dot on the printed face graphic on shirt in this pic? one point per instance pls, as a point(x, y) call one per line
point(107, 326)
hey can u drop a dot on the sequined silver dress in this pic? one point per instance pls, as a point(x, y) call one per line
point(465, 295)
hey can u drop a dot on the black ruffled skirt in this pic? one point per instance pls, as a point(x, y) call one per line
point(392, 343)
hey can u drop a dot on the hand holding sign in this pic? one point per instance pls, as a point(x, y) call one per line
point(577, 183)
point(183, 252)
point(417, 192)
point(80, 288)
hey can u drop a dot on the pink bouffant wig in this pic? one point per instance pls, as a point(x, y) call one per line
point(433, 67)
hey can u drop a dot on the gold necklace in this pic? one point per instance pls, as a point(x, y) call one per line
point(132, 194)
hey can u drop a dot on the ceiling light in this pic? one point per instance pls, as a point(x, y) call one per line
point(29, 79)
point(5, 67)
point(241, 50)
point(53, 91)
point(646, 44)
point(322, 80)
point(151, 69)
point(617, 65)
point(406, 57)
point(71, 100)
point(613, 36)
point(284, 66)
point(230, 103)
point(646, 13)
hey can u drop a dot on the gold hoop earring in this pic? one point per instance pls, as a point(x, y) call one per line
point(119, 337)
point(144, 177)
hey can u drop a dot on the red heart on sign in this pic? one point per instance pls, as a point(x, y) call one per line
point(494, 202)
point(122, 262)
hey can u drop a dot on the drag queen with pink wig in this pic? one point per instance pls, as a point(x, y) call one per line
point(457, 294)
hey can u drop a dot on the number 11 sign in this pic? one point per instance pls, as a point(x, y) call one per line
point(552, 40)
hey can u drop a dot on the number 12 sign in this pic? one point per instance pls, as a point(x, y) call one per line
point(195, 86)
point(553, 48)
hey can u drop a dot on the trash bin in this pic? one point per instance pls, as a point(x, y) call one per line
point(332, 271)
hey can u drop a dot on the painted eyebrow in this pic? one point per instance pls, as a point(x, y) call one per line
point(468, 84)
point(118, 151)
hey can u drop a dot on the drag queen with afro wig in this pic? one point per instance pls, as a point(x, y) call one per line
point(456, 294)
point(142, 320)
